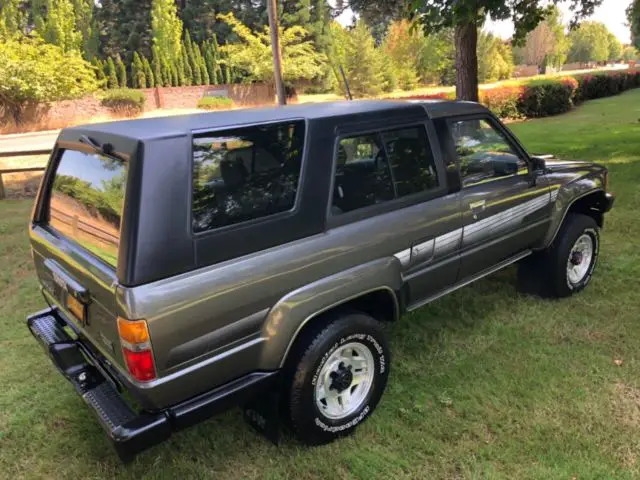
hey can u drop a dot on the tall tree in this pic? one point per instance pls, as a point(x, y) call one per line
point(633, 16)
point(252, 53)
point(138, 76)
point(12, 18)
point(121, 72)
point(125, 27)
point(87, 26)
point(58, 25)
point(166, 28)
point(199, 17)
point(378, 16)
point(467, 15)
point(112, 76)
point(615, 48)
point(403, 45)
point(148, 72)
point(156, 65)
point(495, 59)
point(589, 43)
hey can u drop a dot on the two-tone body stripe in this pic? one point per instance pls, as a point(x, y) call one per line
point(503, 221)
point(448, 243)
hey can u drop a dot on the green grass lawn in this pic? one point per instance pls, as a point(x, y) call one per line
point(485, 383)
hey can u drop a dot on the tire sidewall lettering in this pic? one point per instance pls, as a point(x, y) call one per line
point(378, 353)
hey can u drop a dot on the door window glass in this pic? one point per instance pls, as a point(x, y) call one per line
point(362, 175)
point(484, 153)
point(411, 159)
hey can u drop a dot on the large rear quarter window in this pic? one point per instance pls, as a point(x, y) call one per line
point(87, 197)
point(245, 174)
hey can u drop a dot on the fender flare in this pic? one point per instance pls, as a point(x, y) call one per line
point(295, 310)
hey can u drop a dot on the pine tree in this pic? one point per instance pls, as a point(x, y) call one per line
point(156, 63)
point(58, 25)
point(112, 77)
point(97, 63)
point(138, 77)
point(175, 80)
point(124, 26)
point(87, 25)
point(12, 18)
point(226, 74)
point(166, 72)
point(191, 57)
point(204, 75)
point(188, 73)
point(210, 63)
point(148, 73)
point(180, 67)
point(122, 72)
point(166, 28)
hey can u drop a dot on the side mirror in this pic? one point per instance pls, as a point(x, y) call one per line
point(538, 164)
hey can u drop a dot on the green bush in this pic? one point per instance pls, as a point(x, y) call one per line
point(124, 101)
point(33, 73)
point(543, 98)
point(215, 103)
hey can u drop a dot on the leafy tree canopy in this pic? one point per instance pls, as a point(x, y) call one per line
point(633, 16)
point(252, 53)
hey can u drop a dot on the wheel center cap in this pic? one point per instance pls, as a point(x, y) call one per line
point(576, 258)
point(342, 379)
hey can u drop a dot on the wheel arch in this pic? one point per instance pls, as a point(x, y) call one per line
point(372, 288)
point(591, 203)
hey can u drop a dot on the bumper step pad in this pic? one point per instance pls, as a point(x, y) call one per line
point(130, 433)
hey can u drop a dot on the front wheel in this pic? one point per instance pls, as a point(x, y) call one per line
point(337, 376)
point(567, 266)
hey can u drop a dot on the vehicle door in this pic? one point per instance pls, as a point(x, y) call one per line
point(401, 170)
point(505, 205)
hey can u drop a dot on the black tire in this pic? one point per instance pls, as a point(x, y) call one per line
point(309, 424)
point(545, 273)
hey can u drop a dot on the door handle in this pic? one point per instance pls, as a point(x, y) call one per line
point(477, 206)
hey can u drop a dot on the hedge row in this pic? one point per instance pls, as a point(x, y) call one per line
point(543, 98)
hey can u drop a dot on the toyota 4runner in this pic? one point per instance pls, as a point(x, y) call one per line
point(196, 262)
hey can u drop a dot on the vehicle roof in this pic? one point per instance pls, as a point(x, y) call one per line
point(166, 127)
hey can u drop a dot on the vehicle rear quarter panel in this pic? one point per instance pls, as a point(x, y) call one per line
point(217, 323)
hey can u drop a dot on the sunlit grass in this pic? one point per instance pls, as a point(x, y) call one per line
point(485, 383)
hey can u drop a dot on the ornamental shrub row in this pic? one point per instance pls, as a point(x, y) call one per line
point(544, 98)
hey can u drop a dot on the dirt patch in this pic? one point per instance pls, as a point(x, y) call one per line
point(626, 404)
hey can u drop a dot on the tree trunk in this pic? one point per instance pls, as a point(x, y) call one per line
point(467, 61)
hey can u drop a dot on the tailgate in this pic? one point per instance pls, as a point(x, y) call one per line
point(75, 242)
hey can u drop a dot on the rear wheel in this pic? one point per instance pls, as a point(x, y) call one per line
point(567, 265)
point(336, 377)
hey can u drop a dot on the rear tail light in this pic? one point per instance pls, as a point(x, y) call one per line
point(136, 348)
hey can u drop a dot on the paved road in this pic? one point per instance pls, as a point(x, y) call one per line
point(28, 141)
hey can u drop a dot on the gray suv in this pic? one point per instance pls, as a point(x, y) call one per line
point(196, 262)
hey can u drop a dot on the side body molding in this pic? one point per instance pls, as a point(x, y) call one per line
point(292, 312)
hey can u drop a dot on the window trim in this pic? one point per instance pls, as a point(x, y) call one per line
point(509, 137)
point(347, 131)
point(254, 221)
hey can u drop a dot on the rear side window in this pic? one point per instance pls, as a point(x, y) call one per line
point(86, 202)
point(377, 167)
point(245, 173)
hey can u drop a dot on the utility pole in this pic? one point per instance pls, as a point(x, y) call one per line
point(272, 11)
